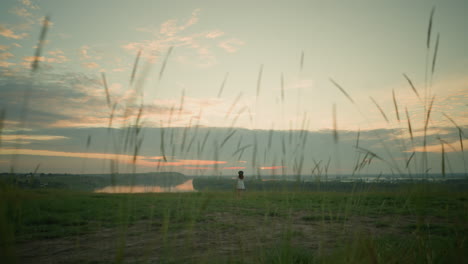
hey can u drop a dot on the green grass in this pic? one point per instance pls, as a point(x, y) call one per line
point(267, 227)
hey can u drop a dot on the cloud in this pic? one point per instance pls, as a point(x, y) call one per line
point(203, 59)
point(145, 161)
point(452, 101)
point(25, 12)
point(139, 160)
point(214, 34)
point(453, 146)
point(26, 139)
point(54, 59)
point(171, 27)
point(5, 56)
point(194, 19)
point(56, 52)
point(231, 45)
point(4, 48)
point(20, 11)
point(272, 168)
point(204, 111)
point(84, 50)
point(8, 33)
point(234, 168)
point(56, 56)
point(34, 58)
point(81, 100)
point(51, 92)
point(6, 64)
point(90, 55)
point(190, 163)
point(318, 148)
point(90, 65)
point(173, 33)
point(198, 168)
point(29, 4)
point(301, 84)
point(50, 153)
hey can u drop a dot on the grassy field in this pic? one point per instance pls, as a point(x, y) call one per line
point(420, 224)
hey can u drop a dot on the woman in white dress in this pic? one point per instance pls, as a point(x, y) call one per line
point(240, 183)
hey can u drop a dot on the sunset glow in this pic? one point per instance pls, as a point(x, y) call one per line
point(189, 87)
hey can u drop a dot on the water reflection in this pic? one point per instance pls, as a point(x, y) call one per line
point(187, 186)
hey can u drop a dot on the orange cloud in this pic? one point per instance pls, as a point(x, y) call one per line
point(139, 160)
point(231, 45)
point(39, 152)
point(58, 58)
point(33, 58)
point(190, 163)
point(198, 168)
point(84, 52)
point(233, 168)
point(437, 148)
point(29, 4)
point(6, 64)
point(272, 167)
point(171, 27)
point(25, 138)
point(5, 55)
point(8, 33)
point(172, 33)
point(214, 34)
point(90, 65)
point(21, 12)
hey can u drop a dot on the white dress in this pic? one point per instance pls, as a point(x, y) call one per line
point(240, 184)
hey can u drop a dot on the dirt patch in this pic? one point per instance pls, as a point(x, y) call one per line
point(216, 235)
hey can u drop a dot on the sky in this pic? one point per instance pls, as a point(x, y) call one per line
point(211, 87)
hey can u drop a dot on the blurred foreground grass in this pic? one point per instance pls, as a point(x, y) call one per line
point(412, 225)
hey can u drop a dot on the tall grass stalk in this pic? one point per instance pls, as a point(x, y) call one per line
point(426, 123)
point(443, 159)
point(181, 105)
point(342, 90)
point(282, 87)
point(428, 47)
point(2, 123)
point(380, 110)
point(395, 104)
point(301, 64)
point(335, 126)
point(163, 66)
point(434, 58)
point(40, 44)
point(259, 80)
point(135, 66)
point(412, 86)
point(221, 88)
point(108, 100)
point(233, 105)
